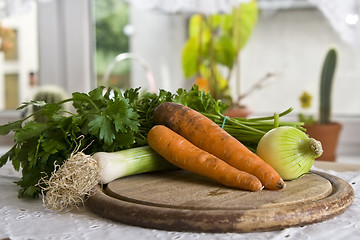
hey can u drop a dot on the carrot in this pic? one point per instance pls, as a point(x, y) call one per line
point(207, 135)
point(183, 154)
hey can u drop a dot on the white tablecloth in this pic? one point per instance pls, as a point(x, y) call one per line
point(28, 219)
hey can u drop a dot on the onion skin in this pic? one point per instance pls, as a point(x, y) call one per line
point(290, 151)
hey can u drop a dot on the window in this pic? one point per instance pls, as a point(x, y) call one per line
point(111, 21)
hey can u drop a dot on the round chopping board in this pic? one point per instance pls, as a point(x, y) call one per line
point(182, 201)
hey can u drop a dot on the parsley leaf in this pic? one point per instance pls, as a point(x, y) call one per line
point(125, 118)
point(30, 130)
point(6, 128)
point(103, 127)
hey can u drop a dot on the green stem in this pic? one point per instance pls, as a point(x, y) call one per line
point(250, 130)
point(276, 120)
point(66, 100)
point(272, 117)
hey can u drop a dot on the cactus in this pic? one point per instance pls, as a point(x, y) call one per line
point(326, 82)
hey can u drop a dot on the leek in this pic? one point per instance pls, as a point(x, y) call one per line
point(114, 165)
point(75, 180)
point(290, 151)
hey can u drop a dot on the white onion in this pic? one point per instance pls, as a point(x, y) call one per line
point(290, 151)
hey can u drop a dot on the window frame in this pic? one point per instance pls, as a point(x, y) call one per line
point(65, 44)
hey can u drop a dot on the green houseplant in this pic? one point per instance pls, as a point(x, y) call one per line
point(211, 53)
point(325, 130)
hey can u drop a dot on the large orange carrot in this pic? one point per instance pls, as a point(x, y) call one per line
point(207, 135)
point(182, 153)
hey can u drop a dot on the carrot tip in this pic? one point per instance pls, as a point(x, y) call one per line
point(281, 184)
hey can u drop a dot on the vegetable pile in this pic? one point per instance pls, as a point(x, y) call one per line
point(108, 120)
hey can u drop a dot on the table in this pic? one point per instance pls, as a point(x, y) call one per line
point(28, 219)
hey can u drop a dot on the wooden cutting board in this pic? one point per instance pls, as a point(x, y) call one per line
point(182, 201)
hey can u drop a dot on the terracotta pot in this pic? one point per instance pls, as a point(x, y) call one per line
point(328, 135)
point(238, 111)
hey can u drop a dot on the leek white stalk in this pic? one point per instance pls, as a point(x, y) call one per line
point(114, 165)
point(290, 151)
point(75, 180)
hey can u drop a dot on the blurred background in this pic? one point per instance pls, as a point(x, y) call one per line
point(77, 45)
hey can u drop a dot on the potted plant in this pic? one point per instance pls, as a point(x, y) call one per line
point(325, 130)
point(211, 53)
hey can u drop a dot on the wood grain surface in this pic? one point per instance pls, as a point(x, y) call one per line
point(182, 201)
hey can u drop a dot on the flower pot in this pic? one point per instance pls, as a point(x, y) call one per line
point(238, 111)
point(328, 135)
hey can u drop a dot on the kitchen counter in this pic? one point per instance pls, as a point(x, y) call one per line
point(28, 219)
